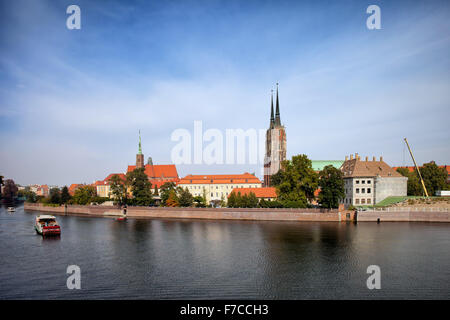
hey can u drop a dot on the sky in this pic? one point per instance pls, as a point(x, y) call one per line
point(73, 101)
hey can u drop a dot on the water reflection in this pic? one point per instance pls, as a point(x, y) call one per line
point(171, 259)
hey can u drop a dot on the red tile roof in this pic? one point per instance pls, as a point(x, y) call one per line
point(220, 179)
point(268, 192)
point(158, 170)
point(73, 187)
point(358, 168)
point(412, 168)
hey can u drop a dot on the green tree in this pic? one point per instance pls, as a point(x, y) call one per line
point(232, 200)
point(165, 190)
point(435, 178)
point(65, 195)
point(252, 200)
point(29, 195)
point(10, 190)
point(55, 196)
point(156, 192)
point(118, 189)
point(296, 182)
point(331, 183)
point(414, 187)
point(84, 195)
point(140, 187)
point(185, 198)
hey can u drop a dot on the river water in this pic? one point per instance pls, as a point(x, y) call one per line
point(196, 259)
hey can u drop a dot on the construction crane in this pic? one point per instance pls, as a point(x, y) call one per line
point(417, 168)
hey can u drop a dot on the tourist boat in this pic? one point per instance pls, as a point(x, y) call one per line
point(11, 209)
point(47, 226)
point(123, 218)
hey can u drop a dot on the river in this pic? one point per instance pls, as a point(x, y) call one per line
point(196, 259)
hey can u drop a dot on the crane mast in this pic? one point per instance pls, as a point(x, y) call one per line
point(417, 168)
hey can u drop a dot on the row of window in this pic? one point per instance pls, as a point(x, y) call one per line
point(358, 201)
point(363, 190)
point(363, 181)
point(226, 186)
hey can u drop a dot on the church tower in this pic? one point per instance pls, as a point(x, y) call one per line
point(275, 143)
point(139, 155)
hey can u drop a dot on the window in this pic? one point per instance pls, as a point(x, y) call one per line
point(363, 201)
point(357, 201)
point(368, 181)
point(357, 181)
point(357, 190)
point(363, 181)
point(368, 201)
point(212, 194)
point(363, 190)
point(368, 190)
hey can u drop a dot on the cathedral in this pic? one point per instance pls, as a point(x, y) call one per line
point(275, 143)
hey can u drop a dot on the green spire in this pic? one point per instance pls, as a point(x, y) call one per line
point(140, 148)
point(277, 112)
point(272, 119)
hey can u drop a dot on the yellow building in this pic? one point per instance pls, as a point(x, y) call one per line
point(217, 187)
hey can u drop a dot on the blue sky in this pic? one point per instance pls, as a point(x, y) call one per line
point(72, 101)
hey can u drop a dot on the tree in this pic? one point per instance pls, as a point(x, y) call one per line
point(331, 183)
point(29, 195)
point(55, 196)
point(156, 192)
point(84, 195)
point(414, 187)
point(118, 189)
point(9, 191)
point(296, 182)
point(232, 200)
point(140, 187)
point(185, 198)
point(165, 190)
point(435, 178)
point(252, 201)
point(172, 200)
point(65, 195)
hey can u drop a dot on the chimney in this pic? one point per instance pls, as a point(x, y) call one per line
point(351, 157)
point(346, 158)
point(367, 158)
point(374, 159)
point(381, 158)
point(356, 156)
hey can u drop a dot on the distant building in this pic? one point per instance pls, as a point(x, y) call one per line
point(42, 191)
point(219, 186)
point(157, 174)
point(104, 186)
point(73, 187)
point(266, 193)
point(318, 165)
point(275, 144)
point(369, 182)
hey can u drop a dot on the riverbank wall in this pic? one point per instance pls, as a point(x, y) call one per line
point(199, 213)
point(390, 215)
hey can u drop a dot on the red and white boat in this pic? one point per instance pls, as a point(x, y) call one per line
point(46, 225)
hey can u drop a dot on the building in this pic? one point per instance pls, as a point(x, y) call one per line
point(369, 182)
point(266, 193)
point(157, 174)
point(104, 186)
point(318, 165)
point(42, 191)
point(73, 187)
point(218, 187)
point(275, 143)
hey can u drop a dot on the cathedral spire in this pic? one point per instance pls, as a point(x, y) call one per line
point(140, 148)
point(277, 114)
point(272, 119)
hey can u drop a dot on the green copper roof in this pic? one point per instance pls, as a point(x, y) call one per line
point(140, 148)
point(320, 164)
